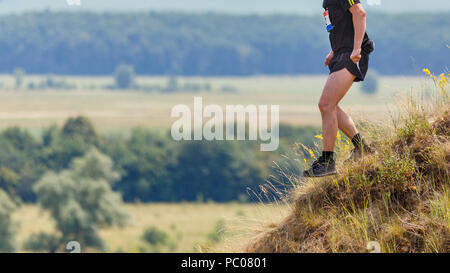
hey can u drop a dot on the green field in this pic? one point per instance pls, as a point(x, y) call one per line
point(121, 110)
point(189, 221)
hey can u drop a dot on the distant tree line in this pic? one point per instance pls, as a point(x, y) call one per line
point(124, 78)
point(207, 44)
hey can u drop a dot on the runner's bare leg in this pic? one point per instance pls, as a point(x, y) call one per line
point(345, 123)
point(337, 86)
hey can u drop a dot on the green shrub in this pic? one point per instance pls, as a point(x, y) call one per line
point(124, 76)
point(19, 75)
point(219, 231)
point(172, 84)
point(7, 228)
point(370, 83)
point(80, 199)
point(43, 242)
point(155, 236)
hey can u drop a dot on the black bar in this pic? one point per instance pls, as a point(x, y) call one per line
point(225, 262)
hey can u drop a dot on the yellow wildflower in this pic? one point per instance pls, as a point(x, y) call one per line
point(319, 136)
point(346, 147)
point(311, 153)
point(443, 78)
point(428, 72)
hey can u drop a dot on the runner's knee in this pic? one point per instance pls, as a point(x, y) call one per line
point(326, 106)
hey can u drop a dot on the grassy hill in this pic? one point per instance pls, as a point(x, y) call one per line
point(398, 198)
point(231, 6)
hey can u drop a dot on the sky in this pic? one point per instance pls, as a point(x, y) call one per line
point(226, 6)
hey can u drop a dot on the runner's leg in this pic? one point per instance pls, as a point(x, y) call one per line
point(337, 85)
point(345, 123)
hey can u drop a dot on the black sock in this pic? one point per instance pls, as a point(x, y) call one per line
point(358, 141)
point(328, 156)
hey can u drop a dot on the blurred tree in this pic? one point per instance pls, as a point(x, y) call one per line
point(370, 83)
point(8, 180)
point(49, 81)
point(172, 84)
point(208, 87)
point(83, 127)
point(61, 151)
point(124, 76)
point(19, 75)
point(80, 199)
point(50, 135)
point(20, 153)
point(44, 242)
point(21, 139)
point(7, 226)
point(142, 160)
point(94, 165)
point(219, 171)
point(228, 89)
point(155, 236)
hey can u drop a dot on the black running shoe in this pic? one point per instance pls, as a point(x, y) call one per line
point(321, 168)
point(358, 153)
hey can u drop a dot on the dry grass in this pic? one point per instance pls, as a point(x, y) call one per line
point(188, 223)
point(399, 197)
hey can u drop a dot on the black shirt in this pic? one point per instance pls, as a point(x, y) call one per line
point(342, 35)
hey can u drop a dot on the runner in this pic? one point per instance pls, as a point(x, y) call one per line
point(348, 62)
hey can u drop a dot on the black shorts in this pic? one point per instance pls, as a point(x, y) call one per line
point(343, 60)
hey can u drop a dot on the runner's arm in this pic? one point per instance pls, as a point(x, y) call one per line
point(359, 23)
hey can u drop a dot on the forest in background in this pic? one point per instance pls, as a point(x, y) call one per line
point(208, 44)
point(150, 166)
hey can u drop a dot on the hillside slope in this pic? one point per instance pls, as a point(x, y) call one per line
point(398, 198)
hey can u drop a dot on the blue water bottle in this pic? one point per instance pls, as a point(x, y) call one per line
point(326, 15)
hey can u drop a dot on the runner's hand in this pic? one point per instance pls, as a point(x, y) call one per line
point(329, 57)
point(356, 55)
